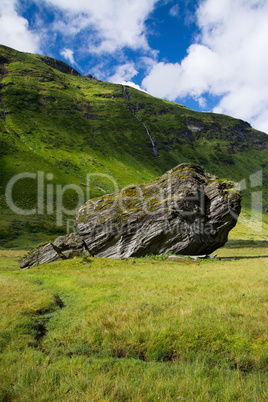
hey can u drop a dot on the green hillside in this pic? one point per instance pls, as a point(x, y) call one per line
point(76, 130)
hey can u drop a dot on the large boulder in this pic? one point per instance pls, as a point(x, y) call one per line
point(186, 211)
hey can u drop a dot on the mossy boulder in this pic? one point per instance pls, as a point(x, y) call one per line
point(186, 211)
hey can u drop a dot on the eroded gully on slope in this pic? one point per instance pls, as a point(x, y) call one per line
point(154, 147)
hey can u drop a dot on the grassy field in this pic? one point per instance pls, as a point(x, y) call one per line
point(138, 329)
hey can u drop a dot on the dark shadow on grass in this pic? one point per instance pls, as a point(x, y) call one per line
point(237, 243)
point(241, 257)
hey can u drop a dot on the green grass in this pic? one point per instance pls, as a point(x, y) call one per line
point(71, 126)
point(136, 329)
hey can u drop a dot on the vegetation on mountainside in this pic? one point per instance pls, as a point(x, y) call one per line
point(71, 126)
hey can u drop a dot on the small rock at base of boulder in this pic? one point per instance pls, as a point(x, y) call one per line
point(41, 255)
point(183, 258)
point(64, 247)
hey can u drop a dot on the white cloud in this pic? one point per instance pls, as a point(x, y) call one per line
point(261, 121)
point(168, 80)
point(116, 24)
point(132, 84)
point(68, 54)
point(202, 102)
point(14, 29)
point(147, 63)
point(123, 73)
point(174, 11)
point(229, 60)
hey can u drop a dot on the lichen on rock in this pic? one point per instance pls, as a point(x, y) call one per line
point(186, 211)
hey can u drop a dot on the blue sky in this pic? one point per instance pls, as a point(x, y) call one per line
point(210, 55)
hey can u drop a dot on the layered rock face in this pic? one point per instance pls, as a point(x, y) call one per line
point(186, 211)
point(64, 247)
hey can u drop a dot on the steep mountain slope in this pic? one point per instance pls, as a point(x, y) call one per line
point(75, 130)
